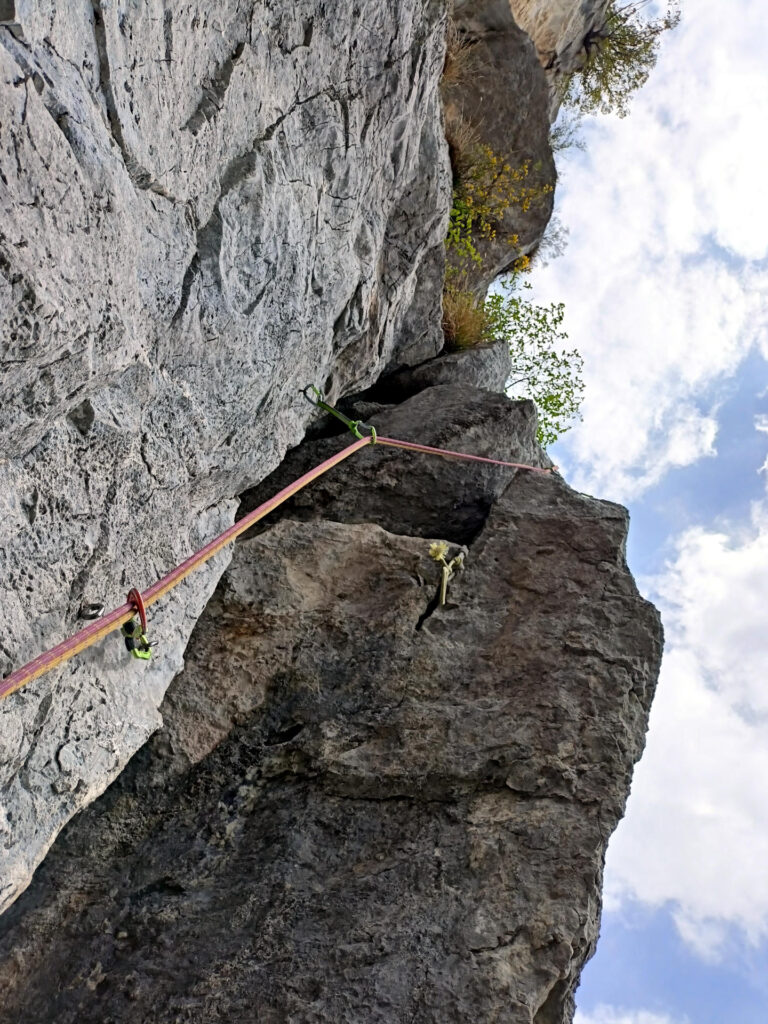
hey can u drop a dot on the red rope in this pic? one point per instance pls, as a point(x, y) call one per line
point(114, 619)
point(447, 453)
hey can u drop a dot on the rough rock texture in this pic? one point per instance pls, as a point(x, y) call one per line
point(559, 28)
point(482, 366)
point(503, 98)
point(357, 805)
point(363, 808)
point(8, 13)
point(454, 417)
point(203, 208)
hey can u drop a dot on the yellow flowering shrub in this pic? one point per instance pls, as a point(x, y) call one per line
point(488, 186)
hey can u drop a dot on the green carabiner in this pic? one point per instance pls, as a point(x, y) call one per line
point(351, 425)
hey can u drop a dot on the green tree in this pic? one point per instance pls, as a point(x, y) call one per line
point(542, 369)
point(620, 57)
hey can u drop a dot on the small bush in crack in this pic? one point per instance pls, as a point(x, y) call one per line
point(543, 369)
point(465, 321)
point(460, 60)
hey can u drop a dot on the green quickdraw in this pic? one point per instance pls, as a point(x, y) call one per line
point(351, 425)
point(438, 551)
point(136, 642)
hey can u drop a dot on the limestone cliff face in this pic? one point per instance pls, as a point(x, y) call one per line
point(364, 807)
point(558, 28)
point(203, 208)
point(355, 805)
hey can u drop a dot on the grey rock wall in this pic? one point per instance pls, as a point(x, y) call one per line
point(363, 807)
point(351, 804)
point(500, 99)
point(559, 29)
point(203, 208)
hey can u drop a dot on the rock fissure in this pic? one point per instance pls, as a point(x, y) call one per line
point(214, 92)
point(137, 173)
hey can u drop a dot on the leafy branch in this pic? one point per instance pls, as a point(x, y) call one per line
point(620, 56)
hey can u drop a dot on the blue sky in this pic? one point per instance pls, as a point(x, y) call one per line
point(717, 488)
point(643, 962)
point(665, 283)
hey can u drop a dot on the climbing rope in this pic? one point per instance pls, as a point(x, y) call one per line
point(114, 620)
point(448, 454)
point(137, 601)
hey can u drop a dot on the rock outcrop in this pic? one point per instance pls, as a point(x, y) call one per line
point(363, 806)
point(353, 804)
point(202, 210)
point(559, 29)
point(498, 65)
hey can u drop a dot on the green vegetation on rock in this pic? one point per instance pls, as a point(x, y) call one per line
point(486, 187)
point(542, 369)
point(620, 57)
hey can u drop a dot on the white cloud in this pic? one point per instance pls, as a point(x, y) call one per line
point(696, 833)
point(610, 1015)
point(665, 281)
point(665, 284)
